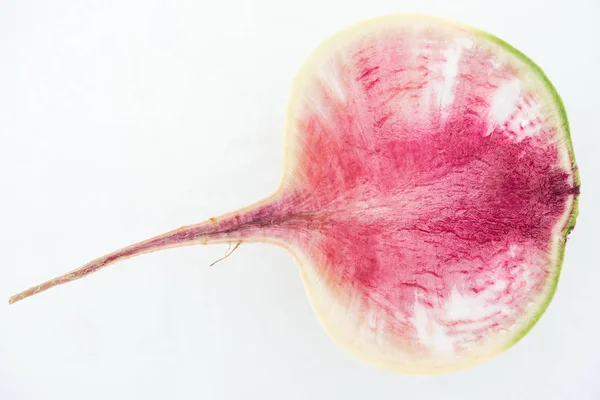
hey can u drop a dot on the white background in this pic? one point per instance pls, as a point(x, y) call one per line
point(123, 119)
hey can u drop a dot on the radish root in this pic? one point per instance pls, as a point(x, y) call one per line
point(227, 253)
point(203, 233)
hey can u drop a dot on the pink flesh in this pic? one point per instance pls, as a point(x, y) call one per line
point(408, 201)
point(448, 201)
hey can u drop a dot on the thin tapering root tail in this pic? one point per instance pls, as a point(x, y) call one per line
point(174, 238)
point(232, 228)
point(204, 233)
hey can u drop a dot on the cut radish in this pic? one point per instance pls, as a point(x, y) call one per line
point(428, 191)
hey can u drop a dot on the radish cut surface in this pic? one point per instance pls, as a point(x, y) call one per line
point(440, 161)
point(428, 191)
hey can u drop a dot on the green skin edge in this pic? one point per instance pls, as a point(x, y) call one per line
point(575, 211)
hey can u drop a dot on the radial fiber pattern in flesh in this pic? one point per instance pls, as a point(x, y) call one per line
point(432, 180)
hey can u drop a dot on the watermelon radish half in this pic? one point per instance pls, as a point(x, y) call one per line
point(429, 188)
